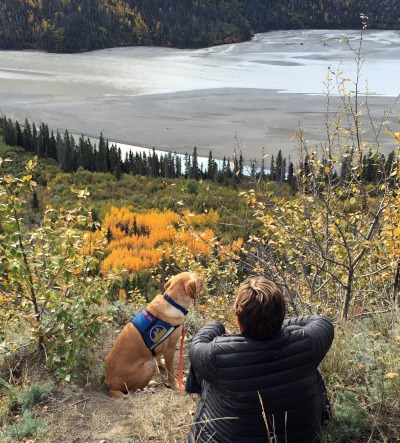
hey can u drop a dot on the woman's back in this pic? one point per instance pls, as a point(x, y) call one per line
point(254, 388)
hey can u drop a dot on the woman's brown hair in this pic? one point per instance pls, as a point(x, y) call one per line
point(260, 308)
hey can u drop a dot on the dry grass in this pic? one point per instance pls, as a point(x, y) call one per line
point(156, 414)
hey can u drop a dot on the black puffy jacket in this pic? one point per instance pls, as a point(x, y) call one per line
point(260, 391)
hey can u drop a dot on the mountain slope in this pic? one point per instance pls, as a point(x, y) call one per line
point(80, 25)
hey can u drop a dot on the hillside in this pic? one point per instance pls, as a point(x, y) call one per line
point(56, 290)
point(87, 239)
point(75, 26)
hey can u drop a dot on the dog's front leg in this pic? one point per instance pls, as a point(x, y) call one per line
point(160, 363)
point(169, 355)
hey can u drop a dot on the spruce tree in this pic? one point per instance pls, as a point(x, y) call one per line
point(35, 201)
point(28, 136)
point(101, 162)
point(272, 170)
point(20, 137)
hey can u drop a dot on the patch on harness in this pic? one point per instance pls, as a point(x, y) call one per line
point(157, 332)
point(153, 330)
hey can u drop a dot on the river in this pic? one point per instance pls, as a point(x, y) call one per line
point(246, 96)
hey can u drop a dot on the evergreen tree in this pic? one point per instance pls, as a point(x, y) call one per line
point(28, 142)
point(389, 163)
point(278, 166)
point(51, 149)
point(9, 133)
point(35, 201)
point(241, 166)
point(178, 166)
point(118, 171)
point(101, 162)
point(290, 173)
point(223, 173)
point(34, 138)
point(212, 168)
point(187, 163)
point(154, 165)
point(68, 164)
point(194, 171)
point(253, 173)
point(272, 170)
point(19, 136)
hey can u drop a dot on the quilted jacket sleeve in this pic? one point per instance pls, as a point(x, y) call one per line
point(319, 328)
point(201, 353)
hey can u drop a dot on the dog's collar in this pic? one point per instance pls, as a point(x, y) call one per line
point(174, 304)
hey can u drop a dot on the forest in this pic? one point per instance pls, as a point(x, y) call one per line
point(83, 25)
point(72, 156)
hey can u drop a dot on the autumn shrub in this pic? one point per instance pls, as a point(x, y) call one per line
point(51, 292)
point(334, 245)
point(362, 372)
point(149, 241)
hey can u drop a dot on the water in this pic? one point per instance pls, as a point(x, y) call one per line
point(290, 61)
point(121, 90)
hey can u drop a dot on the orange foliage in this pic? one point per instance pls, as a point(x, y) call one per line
point(91, 240)
point(232, 249)
point(201, 219)
point(138, 241)
point(197, 242)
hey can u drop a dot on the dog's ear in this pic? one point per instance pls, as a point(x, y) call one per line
point(190, 288)
point(168, 284)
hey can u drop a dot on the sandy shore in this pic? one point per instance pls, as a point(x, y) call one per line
point(214, 119)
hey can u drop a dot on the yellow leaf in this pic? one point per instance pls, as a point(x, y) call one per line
point(327, 169)
point(391, 375)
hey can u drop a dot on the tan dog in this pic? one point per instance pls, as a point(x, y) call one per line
point(130, 364)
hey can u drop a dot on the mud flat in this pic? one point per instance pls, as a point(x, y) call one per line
point(219, 120)
point(249, 95)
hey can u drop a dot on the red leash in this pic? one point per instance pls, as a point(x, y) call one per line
point(180, 368)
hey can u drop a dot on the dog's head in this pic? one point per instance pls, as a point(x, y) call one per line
point(188, 283)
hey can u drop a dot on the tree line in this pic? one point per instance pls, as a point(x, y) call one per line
point(105, 157)
point(82, 25)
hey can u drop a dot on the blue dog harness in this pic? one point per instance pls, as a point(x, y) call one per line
point(153, 330)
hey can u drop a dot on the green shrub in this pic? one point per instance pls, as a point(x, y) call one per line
point(350, 421)
point(15, 398)
point(27, 426)
point(33, 395)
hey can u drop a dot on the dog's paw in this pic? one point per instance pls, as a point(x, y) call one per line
point(171, 384)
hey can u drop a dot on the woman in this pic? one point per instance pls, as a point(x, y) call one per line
point(261, 385)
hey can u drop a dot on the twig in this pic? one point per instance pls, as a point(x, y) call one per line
point(363, 314)
point(74, 404)
point(207, 421)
